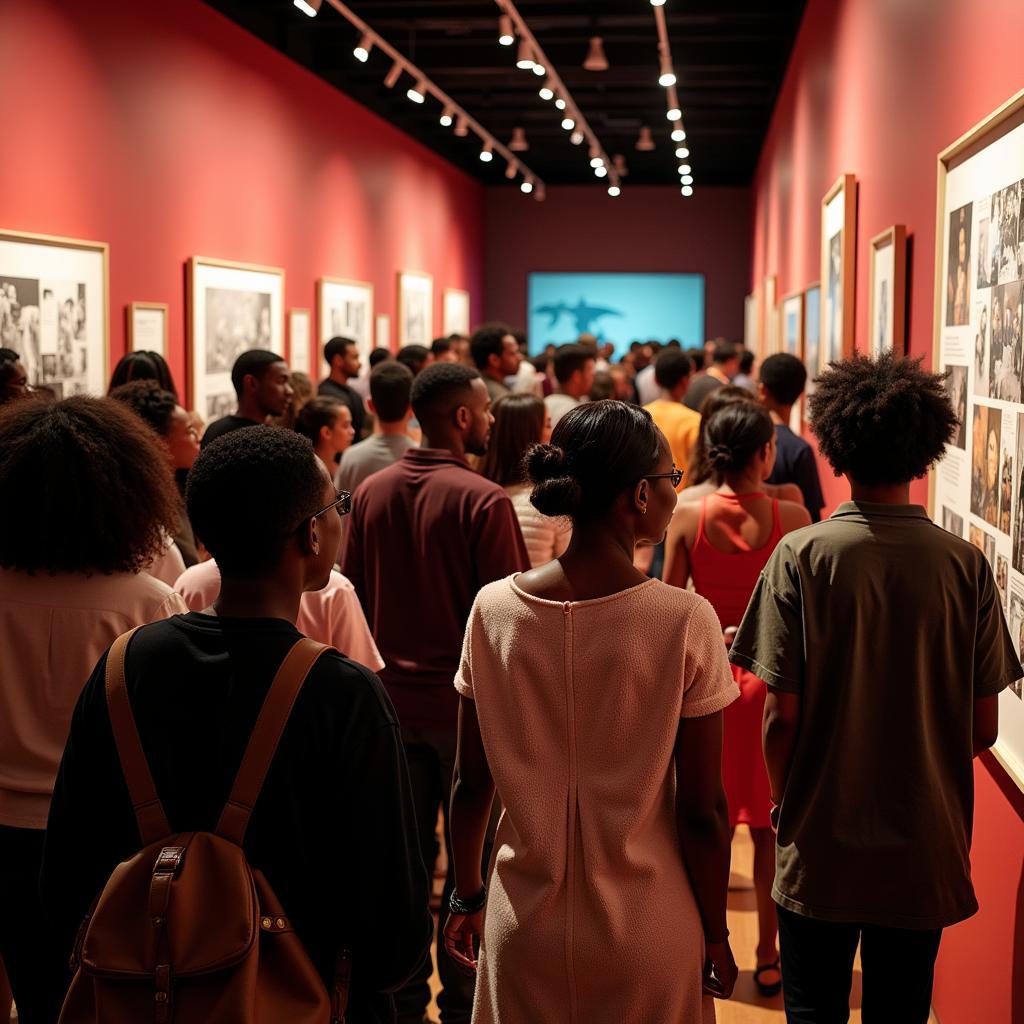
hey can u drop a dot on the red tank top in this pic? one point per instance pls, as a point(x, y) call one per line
point(727, 579)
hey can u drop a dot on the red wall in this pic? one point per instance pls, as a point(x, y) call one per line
point(877, 88)
point(647, 228)
point(167, 131)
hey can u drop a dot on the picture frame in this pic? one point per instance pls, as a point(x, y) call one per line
point(147, 326)
point(812, 341)
point(383, 331)
point(979, 280)
point(838, 270)
point(300, 338)
point(771, 317)
point(55, 310)
point(790, 333)
point(344, 308)
point(887, 292)
point(232, 307)
point(415, 308)
point(455, 313)
point(751, 323)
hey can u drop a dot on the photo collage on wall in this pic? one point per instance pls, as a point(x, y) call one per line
point(979, 487)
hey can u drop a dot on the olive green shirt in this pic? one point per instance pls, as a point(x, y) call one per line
point(888, 628)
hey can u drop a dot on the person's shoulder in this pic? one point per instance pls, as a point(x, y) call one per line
point(339, 685)
point(139, 588)
point(678, 604)
point(793, 514)
point(497, 596)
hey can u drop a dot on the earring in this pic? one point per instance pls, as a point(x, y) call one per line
point(643, 510)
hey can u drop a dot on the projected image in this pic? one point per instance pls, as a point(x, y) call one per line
point(615, 308)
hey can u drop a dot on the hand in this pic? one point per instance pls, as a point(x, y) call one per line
point(459, 933)
point(719, 970)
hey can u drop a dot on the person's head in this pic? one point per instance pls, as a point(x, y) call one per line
point(143, 366)
point(672, 372)
point(782, 380)
point(622, 381)
point(746, 362)
point(740, 438)
point(726, 356)
point(700, 469)
point(598, 469)
point(302, 392)
point(390, 391)
point(87, 488)
point(574, 370)
point(262, 383)
point(342, 356)
point(450, 401)
point(520, 421)
point(328, 426)
point(697, 358)
point(13, 378)
point(415, 357)
point(443, 351)
point(252, 499)
point(603, 386)
point(161, 411)
point(881, 421)
point(495, 350)
point(378, 356)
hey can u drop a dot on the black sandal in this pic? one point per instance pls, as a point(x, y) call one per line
point(772, 988)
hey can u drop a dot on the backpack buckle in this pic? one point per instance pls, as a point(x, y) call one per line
point(169, 860)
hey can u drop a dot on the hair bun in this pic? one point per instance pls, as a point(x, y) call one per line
point(545, 462)
point(555, 491)
point(720, 456)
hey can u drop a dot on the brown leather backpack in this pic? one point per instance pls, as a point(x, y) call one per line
point(186, 932)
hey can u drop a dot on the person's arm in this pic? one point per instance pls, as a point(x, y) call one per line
point(985, 723)
point(702, 816)
point(677, 557)
point(472, 797)
point(778, 737)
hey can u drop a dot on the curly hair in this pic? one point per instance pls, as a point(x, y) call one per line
point(883, 421)
point(87, 488)
point(150, 401)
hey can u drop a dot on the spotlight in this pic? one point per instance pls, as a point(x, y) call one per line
point(362, 51)
point(576, 138)
point(686, 179)
point(682, 153)
point(678, 135)
point(418, 93)
point(668, 76)
point(657, 3)
point(487, 153)
point(645, 143)
point(447, 116)
point(518, 143)
point(539, 70)
point(601, 172)
point(393, 75)
point(525, 59)
point(596, 60)
point(546, 92)
point(687, 190)
point(506, 33)
point(310, 7)
point(614, 190)
point(461, 126)
point(568, 123)
point(674, 114)
point(596, 161)
point(527, 186)
point(685, 168)
point(560, 103)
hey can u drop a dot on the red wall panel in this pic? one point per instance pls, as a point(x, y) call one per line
point(647, 228)
point(168, 131)
point(877, 88)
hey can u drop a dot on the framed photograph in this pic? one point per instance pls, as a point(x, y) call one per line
point(791, 325)
point(812, 339)
point(979, 343)
point(232, 307)
point(888, 292)
point(769, 336)
point(383, 332)
point(147, 327)
point(838, 270)
point(456, 312)
point(415, 308)
point(54, 310)
point(300, 336)
point(345, 309)
point(751, 323)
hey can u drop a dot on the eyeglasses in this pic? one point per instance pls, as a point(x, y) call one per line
point(676, 476)
point(342, 503)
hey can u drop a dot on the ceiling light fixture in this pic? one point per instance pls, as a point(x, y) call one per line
point(539, 70)
point(686, 179)
point(568, 123)
point(447, 116)
point(363, 48)
point(310, 7)
point(596, 60)
point(418, 92)
point(687, 190)
point(577, 137)
point(560, 103)
point(674, 114)
point(657, 3)
point(678, 135)
point(645, 142)
point(682, 153)
point(685, 168)
point(668, 76)
point(525, 59)
point(393, 75)
point(527, 186)
point(614, 190)
point(601, 172)
point(546, 92)
point(506, 34)
point(518, 143)
point(487, 153)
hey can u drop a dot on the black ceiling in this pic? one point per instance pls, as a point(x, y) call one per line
point(730, 56)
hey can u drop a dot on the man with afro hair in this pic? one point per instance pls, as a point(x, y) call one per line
point(883, 643)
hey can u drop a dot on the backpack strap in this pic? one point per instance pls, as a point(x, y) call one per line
point(149, 812)
point(273, 717)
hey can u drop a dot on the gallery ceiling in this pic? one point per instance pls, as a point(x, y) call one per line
point(729, 56)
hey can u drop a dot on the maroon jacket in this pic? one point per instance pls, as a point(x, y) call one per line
point(425, 535)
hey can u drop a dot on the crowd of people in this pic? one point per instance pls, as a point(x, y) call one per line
point(582, 620)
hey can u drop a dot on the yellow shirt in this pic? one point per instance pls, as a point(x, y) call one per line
point(680, 426)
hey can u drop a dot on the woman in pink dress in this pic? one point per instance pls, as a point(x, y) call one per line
point(722, 542)
point(592, 698)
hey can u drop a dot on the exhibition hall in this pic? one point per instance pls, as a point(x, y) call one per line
point(512, 512)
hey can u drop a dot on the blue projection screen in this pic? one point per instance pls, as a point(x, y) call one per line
point(618, 308)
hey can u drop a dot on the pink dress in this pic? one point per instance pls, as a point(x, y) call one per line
point(727, 579)
point(590, 917)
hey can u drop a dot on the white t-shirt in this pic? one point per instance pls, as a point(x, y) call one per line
point(332, 616)
point(558, 405)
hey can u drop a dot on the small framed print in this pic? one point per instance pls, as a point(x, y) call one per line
point(415, 308)
point(751, 323)
point(838, 270)
point(147, 327)
point(345, 309)
point(300, 334)
point(888, 292)
point(791, 325)
point(456, 312)
point(770, 341)
point(812, 339)
point(383, 331)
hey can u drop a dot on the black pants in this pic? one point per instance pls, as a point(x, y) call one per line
point(35, 968)
point(431, 757)
point(817, 971)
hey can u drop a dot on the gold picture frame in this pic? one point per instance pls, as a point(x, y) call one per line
point(134, 343)
point(838, 270)
point(887, 324)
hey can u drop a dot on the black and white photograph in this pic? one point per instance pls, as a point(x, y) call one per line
point(984, 248)
point(952, 522)
point(958, 278)
point(1005, 343)
point(1009, 233)
point(1005, 491)
point(233, 307)
point(1018, 509)
point(980, 350)
point(345, 310)
point(415, 308)
point(834, 322)
point(956, 385)
point(986, 437)
point(1002, 578)
point(1015, 623)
